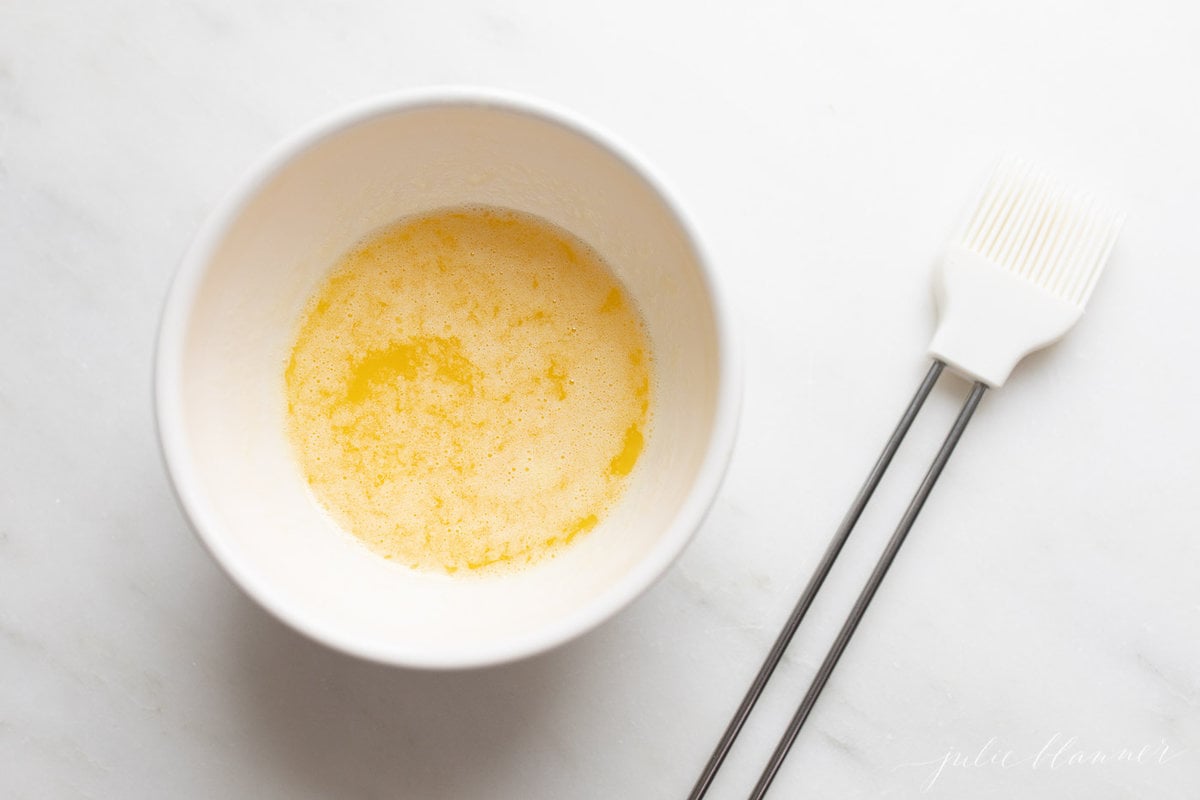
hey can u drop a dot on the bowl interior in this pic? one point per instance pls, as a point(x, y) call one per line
point(223, 401)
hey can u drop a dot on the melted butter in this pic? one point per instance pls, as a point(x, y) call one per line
point(623, 463)
point(469, 390)
point(404, 359)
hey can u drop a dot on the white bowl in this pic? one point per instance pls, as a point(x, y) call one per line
point(234, 308)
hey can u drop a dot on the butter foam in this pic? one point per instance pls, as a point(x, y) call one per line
point(469, 389)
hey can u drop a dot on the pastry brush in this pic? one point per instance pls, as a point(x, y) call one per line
point(1016, 281)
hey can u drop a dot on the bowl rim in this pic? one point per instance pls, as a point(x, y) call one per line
point(205, 522)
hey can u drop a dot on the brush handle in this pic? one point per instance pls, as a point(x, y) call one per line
point(868, 592)
point(814, 585)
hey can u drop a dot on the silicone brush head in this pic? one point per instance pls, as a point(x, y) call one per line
point(1021, 274)
point(1030, 224)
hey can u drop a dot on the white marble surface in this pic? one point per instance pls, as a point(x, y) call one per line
point(1047, 603)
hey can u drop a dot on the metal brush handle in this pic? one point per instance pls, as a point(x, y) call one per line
point(868, 592)
point(818, 578)
point(814, 584)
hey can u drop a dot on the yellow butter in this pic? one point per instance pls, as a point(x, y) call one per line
point(469, 388)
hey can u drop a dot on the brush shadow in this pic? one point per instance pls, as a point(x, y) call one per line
point(342, 727)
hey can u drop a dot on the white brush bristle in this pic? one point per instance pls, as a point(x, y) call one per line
point(1033, 226)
